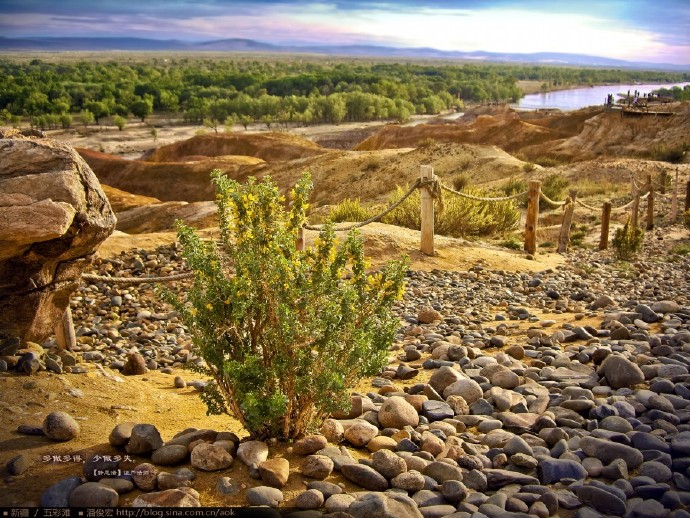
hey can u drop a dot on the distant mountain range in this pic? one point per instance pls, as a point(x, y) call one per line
point(244, 45)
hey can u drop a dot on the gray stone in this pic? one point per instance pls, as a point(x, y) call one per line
point(388, 463)
point(608, 451)
point(93, 494)
point(264, 495)
point(365, 477)
point(410, 481)
point(120, 435)
point(275, 472)
point(310, 499)
point(60, 426)
point(317, 466)
point(145, 476)
point(170, 455)
point(210, 457)
point(602, 500)
point(18, 465)
point(621, 372)
point(144, 439)
point(442, 471)
point(57, 495)
point(181, 497)
point(384, 505)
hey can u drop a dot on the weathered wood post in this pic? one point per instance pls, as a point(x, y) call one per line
point(674, 200)
point(650, 203)
point(65, 336)
point(687, 196)
point(427, 212)
point(532, 216)
point(564, 236)
point(299, 245)
point(605, 224)
point(635, 209)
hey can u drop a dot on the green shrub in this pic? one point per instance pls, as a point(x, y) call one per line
point(512, 244)
point(349, 210)
point(514, 186)
point(528, 167)
point(547, 161)
point(673, 154)
point(426, 142)
point(627, 242)
point(460, 182)
point(283, 333)
point(554, 186)
point(461, 217)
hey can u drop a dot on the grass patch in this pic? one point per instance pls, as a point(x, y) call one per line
point(460, 217)
point(349, 210)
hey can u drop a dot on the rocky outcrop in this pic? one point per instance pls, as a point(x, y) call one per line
point(53, 216)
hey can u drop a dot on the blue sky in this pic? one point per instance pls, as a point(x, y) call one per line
point(636, 30)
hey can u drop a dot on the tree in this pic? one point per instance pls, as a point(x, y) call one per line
point(230, 122)
point(98, 109)
point(154, 134)
point(120, 122)
point(86, 118)
point(65, 120)
point(246, 120)
point(141, 109)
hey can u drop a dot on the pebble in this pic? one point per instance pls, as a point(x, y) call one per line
point(264, 495)
point(93, 494)
point(210, 457)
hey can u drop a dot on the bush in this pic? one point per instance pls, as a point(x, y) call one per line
point(283, 333)
point(673, 154)
point(547, 161)
point(460, 182)
point(627, 241)
point(349, 210)
point(514, 186)
point(553, 186)
point(461, 217)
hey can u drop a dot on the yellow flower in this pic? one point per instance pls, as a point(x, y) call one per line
point(209, 306)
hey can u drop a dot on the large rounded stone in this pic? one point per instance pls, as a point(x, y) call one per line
point(395, 412)
point(170, 455)
point(275, 472)
point(145, 476)
point(365, 477)
point(93, 494)
point(384, 505)
point(53, 217)
point(210, 457)
point(621, 372)
point(388, 463)
point(60, 426)
point(443, 377)
point(466, 388)
point(317, 466)
point(309, 444)
point(264, 495)
point(184, 497)
point(144, 439)
point(360, 432)
point(252, 452)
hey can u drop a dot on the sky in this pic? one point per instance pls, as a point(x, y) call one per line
point(634, 30)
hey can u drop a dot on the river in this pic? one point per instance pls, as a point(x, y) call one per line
point(577, 98)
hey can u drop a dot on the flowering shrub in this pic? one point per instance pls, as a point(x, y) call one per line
point(284, 333)
point(627, 241)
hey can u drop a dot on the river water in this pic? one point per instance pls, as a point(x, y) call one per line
point(580, 97)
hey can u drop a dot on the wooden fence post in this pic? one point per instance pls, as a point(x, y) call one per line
point(564, 236)
point(300, 240)
point(532, 216)
point(427, 212)
point(687, 196)
point(605, 223)
point(64, 332)
point(674, 200)
point(650, 204)
point(635, 209)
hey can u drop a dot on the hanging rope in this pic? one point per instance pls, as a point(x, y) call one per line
point(583, 204)
point(481, 198)
point(135, 280)
point(418, 183)
point(549, 201)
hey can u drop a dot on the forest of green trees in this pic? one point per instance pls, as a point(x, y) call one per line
point(220, 91)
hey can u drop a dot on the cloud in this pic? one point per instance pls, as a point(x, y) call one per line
point(627, 29)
